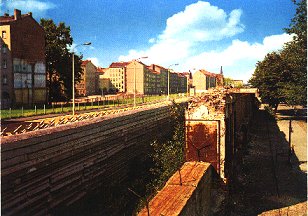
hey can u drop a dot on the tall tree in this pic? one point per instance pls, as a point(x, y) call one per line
point(282, 76)
point(295, 53)
point(58, 60)
point(270, 76)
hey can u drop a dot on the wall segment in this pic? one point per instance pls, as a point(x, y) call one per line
point(42, 170)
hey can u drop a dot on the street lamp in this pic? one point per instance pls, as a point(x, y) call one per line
point(169, 77)
point(73, 72)
point(144, 57)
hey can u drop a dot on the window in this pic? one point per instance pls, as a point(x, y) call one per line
point(4, 64)
point(4, 80)
point(4, 48)
point(4, 34)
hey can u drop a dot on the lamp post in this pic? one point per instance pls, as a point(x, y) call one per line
point(73, 73)
point(144, 57)
point(169, 78)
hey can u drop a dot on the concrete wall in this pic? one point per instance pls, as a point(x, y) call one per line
point(45, 169)
point(231, 113)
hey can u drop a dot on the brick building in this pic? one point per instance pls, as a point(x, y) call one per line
point(87, 84)
point(23, 69)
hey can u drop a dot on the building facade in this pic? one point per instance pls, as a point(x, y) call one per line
point(87, 84)
point(23, 67)
point(137, 79)
point(116, 73)
point(135, 76)
point(204, 80)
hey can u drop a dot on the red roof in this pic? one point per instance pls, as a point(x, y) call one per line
point(85, 62)
point(7, 19)
point(207, 73)
point(101, 70)
point(118, 64)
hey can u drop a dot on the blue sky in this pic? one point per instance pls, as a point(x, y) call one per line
point(234, 34)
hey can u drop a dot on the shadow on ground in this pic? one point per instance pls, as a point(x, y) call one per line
point(270, 177)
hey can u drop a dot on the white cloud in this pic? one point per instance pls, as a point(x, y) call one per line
point(239, 58)
point(188, 34)
point(152, 40)
point(37, 7)
point(94, 60)
point(202, 22)
point(199, 22)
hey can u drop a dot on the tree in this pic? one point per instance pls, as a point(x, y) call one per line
point(59, 60)
point(295, 53)
point(282, 76)
point(168, 156)
point(269, 77)
point(228, 81)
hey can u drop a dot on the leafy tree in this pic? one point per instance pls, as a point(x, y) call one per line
point(282, 76)
point(59, 60)
point(168, 157)
point(298, 25)
point(270, 76)
point(295, 53)
point(228, 81)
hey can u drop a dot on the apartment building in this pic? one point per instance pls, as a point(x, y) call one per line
point(23, 69)
point(136, 75)
point(161, 78)
point(116, 73)
point(103, 83)
point(87, 84)
point(203, 80)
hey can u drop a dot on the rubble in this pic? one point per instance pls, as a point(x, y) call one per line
point(212, 102)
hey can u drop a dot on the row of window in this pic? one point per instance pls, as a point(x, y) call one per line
point(80, 86)
point(25, 80)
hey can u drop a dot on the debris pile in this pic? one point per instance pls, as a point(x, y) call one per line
point(211, 103)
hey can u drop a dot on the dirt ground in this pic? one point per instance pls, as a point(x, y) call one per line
point(270, 178)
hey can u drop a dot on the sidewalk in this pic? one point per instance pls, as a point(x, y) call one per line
point(267, 180)
point(299, 132)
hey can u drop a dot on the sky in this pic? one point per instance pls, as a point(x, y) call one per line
point(234, 34)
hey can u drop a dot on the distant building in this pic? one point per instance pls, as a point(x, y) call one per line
point(103, 83)
point(87, 84)
point(138, 78)
point(23, 67)
point(233, 83)
point(203, 80)
point(116, 74)
point(157, 79)
point(135, 76)
point(238, 83)
point(183, 82)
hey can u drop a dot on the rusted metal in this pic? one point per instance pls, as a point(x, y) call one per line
point(202, 141)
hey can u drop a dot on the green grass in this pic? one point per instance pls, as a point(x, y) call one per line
point(67, 108)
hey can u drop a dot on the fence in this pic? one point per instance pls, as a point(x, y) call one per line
point(83, 104)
